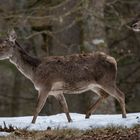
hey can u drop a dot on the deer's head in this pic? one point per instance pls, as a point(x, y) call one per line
point(7, 45)
point(135, 23)
point(136, 26)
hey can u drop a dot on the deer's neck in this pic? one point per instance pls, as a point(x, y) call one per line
point(25, 63)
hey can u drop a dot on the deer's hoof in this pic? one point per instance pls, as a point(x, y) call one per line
point(33, 122)
point(70, 120)
point(87, 116)
point(124, 116)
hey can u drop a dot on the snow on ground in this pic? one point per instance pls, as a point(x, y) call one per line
point(4, 134)
point(79, 121)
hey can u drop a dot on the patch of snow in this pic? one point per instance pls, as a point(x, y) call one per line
point(79, 121)
point(97, 41)
point(4, 134)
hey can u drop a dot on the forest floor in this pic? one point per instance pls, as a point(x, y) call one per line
point(111, 133)
point(56, 127)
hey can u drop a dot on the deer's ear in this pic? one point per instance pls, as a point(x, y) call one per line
point(12, 36)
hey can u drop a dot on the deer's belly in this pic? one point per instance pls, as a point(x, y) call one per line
point(59, 87)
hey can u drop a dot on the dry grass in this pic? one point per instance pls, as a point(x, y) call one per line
point(110, 133)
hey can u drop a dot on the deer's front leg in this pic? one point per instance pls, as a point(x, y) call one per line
point(63, 103)
point(43, 94)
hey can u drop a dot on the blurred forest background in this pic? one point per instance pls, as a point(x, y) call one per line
point(62, 27)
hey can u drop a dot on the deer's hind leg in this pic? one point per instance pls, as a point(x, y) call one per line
point(63, 103)
point(121, 100)
point(94, 106)
point(119, 95)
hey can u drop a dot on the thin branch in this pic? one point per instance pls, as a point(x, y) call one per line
point(112, 2)
point(116, 42)
point(123, 57)
point(48, 33)
point(48, 17)
point(20, 98)
point(131, 73)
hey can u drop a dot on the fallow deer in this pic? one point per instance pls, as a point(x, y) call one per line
point(135, 24)
point(72, 74)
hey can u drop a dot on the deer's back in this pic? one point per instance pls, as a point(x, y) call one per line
point(76, 68)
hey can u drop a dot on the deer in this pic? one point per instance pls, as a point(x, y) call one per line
point(70, 74)
point(135, 24)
